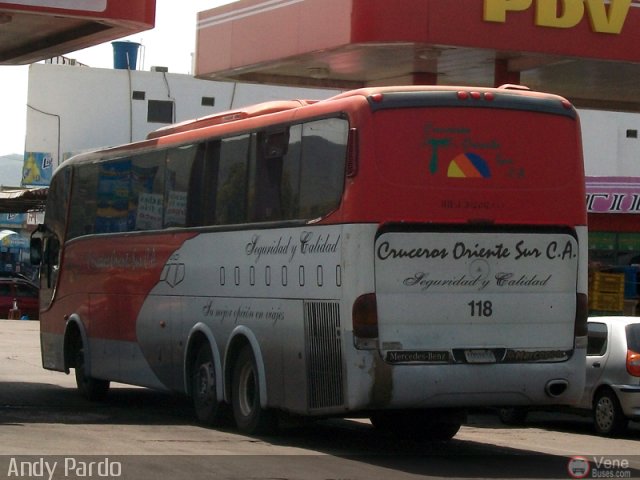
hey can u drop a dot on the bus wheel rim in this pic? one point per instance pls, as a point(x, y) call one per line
point(247, 391)
point(205, 384)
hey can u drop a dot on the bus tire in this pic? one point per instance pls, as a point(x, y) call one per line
point(608, 418)
point(204, 394)
point(421, 425)
point(92, 389)
point(249, 415)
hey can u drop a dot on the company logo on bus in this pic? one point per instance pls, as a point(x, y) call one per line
point(468, 165)
point(418, 357)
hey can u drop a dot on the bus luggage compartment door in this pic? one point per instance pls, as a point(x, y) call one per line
point(476, 297)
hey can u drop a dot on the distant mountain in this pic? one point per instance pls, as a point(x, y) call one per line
point(11, 170)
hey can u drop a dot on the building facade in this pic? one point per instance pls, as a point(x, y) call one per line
point(72, 109)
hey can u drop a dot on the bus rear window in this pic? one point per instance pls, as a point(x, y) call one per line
point(479, 148)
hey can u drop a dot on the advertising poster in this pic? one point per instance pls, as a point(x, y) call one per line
point(12, 219)
point(37, 169)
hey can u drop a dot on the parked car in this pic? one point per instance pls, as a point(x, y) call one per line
point(612, 388)
point(25, 293)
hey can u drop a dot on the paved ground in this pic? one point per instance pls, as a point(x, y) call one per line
point(42, 418)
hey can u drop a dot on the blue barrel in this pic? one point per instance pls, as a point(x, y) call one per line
point(125, 55)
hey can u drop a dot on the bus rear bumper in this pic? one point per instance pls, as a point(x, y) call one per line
point(472, 385)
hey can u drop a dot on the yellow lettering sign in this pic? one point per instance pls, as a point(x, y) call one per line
point(496, 10)
point(568, 15)
point(611, 21)
point(605, 16)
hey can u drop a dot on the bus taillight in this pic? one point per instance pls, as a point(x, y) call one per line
point(365, 320)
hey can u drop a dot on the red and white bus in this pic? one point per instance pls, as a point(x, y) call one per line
point(393, 253)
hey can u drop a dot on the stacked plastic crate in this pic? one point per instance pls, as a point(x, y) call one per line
point(606, 293)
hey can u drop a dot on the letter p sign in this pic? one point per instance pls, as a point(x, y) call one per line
point(496, 10)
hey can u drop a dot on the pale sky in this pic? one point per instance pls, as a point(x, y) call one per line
point(170, 44)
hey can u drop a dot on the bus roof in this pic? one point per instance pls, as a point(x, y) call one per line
point(513, 96)
point(506, 88)
point(266, 108)
point(230, 116)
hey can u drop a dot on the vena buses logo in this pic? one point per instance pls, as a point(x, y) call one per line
point(605, 16)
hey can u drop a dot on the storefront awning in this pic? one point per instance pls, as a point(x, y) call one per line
point(23, 200)
point(585, 51)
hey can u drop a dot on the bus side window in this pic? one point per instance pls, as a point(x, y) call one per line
point(51, 261)
point(56, 214)
point(181, 162)
point(202, 183)
point(266, 201)
point(290, 189)
point(88, 205)
point(146, 191)
point(53, 233)
point(324, 153)
point(196, 189)
point(210, 177)
point(231, 191)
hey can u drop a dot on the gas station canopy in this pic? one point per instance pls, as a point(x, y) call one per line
point(34, 30)
point(586, 50)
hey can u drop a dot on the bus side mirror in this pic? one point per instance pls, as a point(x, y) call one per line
point(35, 251)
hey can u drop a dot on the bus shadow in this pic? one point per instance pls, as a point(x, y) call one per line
point(23, 402)
point(578, 423)
point(342, 443)
point(359, 441)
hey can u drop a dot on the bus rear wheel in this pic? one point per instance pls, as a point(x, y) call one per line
point(249, 415)
point(203, 389)
point(422, 425)
point(93, 389)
